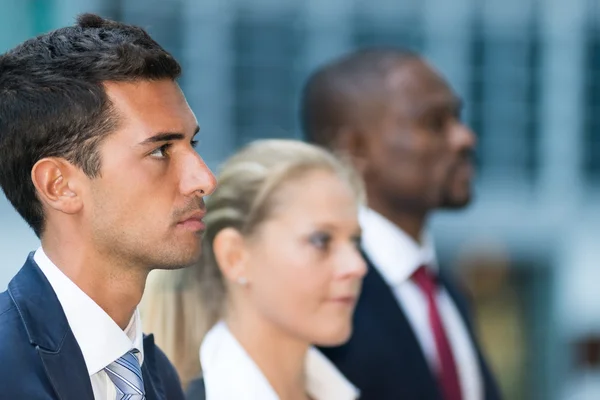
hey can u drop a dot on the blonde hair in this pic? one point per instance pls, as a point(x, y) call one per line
point(243, 200)
point(171, 309)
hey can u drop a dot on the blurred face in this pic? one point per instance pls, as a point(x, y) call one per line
point(303, 265)
point(419, 152)
point(147, 205)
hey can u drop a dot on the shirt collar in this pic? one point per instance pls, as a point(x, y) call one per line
point(222, 357)
point(99, 337)
point(393, 252)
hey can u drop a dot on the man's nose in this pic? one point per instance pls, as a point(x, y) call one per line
point(462, 137)
point(196, 177)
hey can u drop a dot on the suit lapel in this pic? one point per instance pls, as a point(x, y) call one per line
point(459, 300)
point(152, 382)
point(391, 314)
point(67, 372)
point(491, 389)
point(50, 334)
point(151, 392)
point(381, 300)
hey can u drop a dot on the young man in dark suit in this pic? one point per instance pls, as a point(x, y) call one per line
point(97, 155)
point(397, 120)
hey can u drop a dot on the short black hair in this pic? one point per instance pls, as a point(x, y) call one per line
point(53, 102)
point(338, 93)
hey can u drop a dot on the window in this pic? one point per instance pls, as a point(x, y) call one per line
point(504, 101)
point(267, 78)
point(591, 113)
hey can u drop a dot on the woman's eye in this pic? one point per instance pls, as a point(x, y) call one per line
point(356, 240)
point(161, 152)
point(320, 240)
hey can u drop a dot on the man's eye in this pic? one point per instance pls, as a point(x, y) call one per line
point(194, 143)
point(162, 151)
point(438, 123)
point(457, 114)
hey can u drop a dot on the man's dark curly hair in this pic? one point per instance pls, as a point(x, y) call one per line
point(53, 102)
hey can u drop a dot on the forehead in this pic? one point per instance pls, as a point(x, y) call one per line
point(415, 86)
point(151, 106)
point(317, 195)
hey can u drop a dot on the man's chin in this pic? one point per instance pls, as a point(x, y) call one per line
point(172, 267)
point(456, 202)
point(178, 263)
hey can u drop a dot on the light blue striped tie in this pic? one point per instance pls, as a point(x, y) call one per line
point(126, 374)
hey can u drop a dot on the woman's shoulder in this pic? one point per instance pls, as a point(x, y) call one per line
point(228, 370)
point(325, 381)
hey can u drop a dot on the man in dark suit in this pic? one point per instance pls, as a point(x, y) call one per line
point(397, 120)
point(96, 154)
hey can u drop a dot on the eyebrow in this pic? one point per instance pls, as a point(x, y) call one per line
point(167, 136)
point(452, 104)
point(335, 227)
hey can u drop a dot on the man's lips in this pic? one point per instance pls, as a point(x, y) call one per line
point(193, 221)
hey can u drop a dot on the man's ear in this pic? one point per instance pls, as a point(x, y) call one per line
point(351, 144)
point(58, 184)
point(229, 247)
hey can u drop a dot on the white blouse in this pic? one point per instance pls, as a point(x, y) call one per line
point(230, 374)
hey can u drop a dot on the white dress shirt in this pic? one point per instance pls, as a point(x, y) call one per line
point(397, 256)
point(230, 374)
point(100, 339)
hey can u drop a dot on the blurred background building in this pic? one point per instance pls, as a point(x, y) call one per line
point(529, 71)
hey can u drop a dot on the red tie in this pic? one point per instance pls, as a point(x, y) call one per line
point(448, 375)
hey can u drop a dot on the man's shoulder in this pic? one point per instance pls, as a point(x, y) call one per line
point(9, 318)
point(12, 331)
point(165, 369)
point(18, 358)
point(160, 358)
point(196, 389)
point(6, 303)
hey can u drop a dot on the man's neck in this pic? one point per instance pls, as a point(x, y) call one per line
point(411, 223)
point(116, 288)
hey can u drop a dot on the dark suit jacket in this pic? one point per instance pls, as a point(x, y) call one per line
point(383, 357)
point(196, 390)
point(39, 356)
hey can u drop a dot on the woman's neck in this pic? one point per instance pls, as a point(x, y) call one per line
point(279, 356)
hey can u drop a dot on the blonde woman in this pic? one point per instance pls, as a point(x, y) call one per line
point(173, 311)
point(280, 272)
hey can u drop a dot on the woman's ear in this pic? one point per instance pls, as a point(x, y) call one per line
point(57, 185)
point(230, 251)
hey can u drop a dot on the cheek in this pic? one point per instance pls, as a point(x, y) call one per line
point(293, 295)
point(403, 164)
point(427, 157)
point(442, 161)
point(405, 152)
point(127, 201)
point(292, 290)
